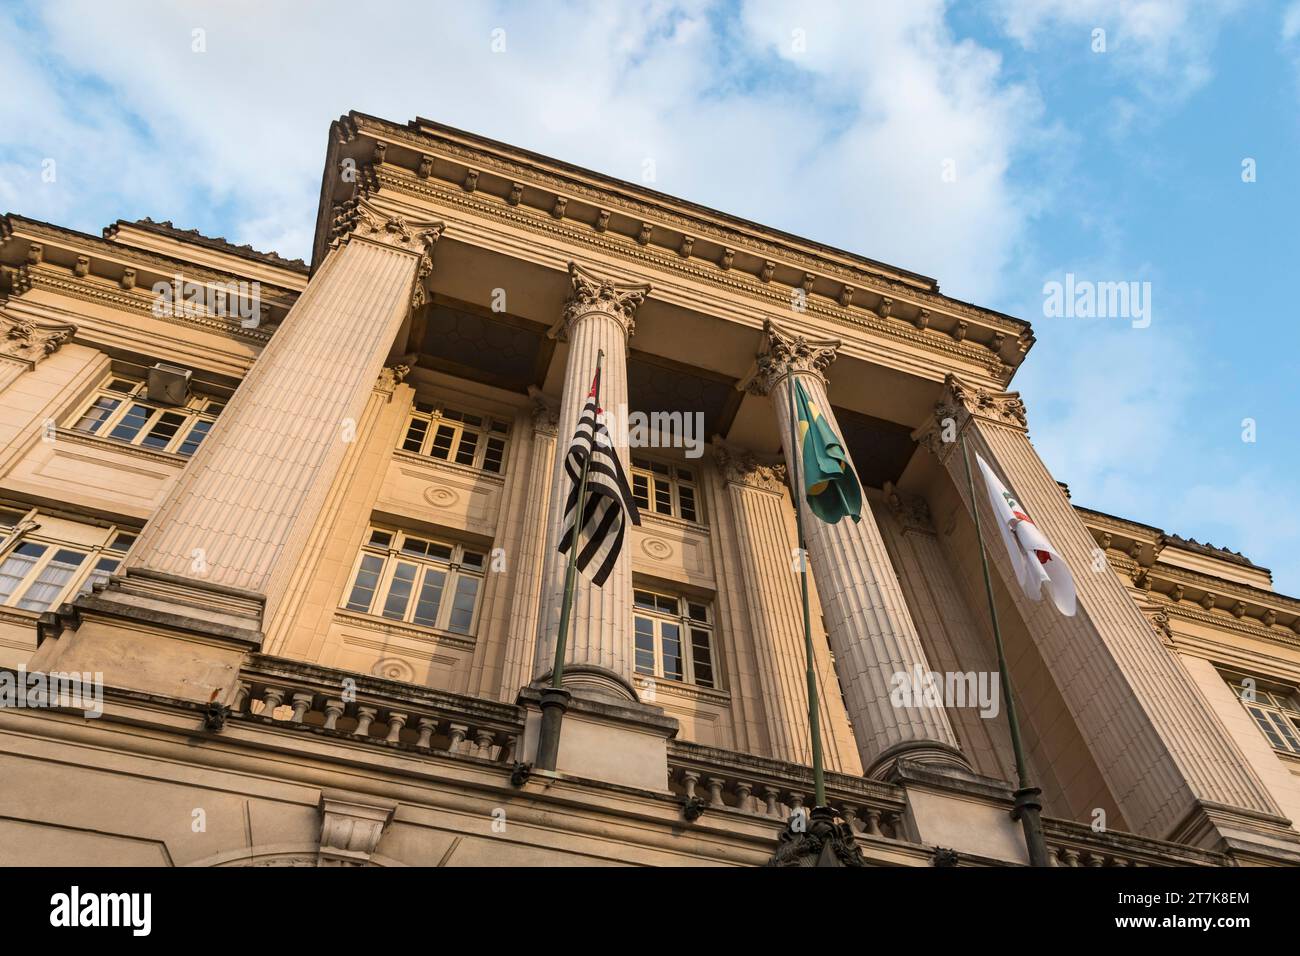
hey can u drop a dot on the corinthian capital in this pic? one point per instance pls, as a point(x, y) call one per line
point(30, 340)
point(785, 352)
point(357, 217)
point(593, 293)
point(960, 403)
point(743, 467)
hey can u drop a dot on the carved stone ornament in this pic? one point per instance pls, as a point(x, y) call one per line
point(350, 829)
point(819, 840)
point(392, 376)
point(961, 402)
point(743, 467)
point(546, 412)
point(593, 293)
point(30, 340)
point(912, 511)
point(357, 217)
point(785, 352)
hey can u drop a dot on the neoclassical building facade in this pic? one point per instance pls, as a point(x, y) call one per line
point(299, 524)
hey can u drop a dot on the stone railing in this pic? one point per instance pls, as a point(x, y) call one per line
point(743, 783)
point(378, 711)
point(1077, 844)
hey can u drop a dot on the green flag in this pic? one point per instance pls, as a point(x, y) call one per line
point(829, 483)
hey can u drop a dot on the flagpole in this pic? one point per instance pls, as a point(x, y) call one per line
point(1028, 807)
point(555, 699)
point(814, 724)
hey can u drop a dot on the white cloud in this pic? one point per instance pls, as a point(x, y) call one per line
point(845, 143)
point(1164, 46)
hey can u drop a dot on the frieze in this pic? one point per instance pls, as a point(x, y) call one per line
point(720, 274)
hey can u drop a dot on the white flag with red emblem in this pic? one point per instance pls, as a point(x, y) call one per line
point(1035, 561)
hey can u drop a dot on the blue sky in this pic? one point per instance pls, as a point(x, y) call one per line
point(832, 120)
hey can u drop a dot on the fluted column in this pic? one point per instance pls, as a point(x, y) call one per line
point(598, 657)
point(521, 636)
point(244, 506)
point(868, 625)
point(1155, 738)
point(771, 603)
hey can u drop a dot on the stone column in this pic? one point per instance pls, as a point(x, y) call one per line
point(244, 505)
point(870, 630)
point(1171, 764)
point(772, 608)
point(217, 555)
point(598, 659)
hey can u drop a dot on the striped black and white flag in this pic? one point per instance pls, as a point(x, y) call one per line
point(608, 496)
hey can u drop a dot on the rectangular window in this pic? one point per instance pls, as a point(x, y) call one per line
point(39, 573)
point(1274, 708)
point(121, 411)
point(662, 626)
point(418, 580)
point(664, 489)
point(449, 435)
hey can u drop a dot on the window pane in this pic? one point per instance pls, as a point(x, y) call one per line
point(672, 645)
point(472, 559)
point(164, 430)
point(1266, 726)
point(415, 433)
point(465, 451)
point(16, 567)
point(363, 589)
point(426, 608)
point(1284, 728)
point(442, 442)
point(644, 599)
point(641, 491)
point(399, 591)
point(645, 646)
point(663, 497)
point(121, 542)
point(131, 423)
point(195, 438)
point(701, 657)
point(462, 605)
point(51, 581)
point(380, 539)
point(126, 386)
point(96, 414)
point(416, 546)
point(697, 612)
point(494, 455)
point(686, 495)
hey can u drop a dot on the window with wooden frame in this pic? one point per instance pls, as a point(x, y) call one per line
point(119, 411)
point(674, 638)
point(664, 489)
point(417, 580)
point(477, 441)
point(1274, 708)
point(38, 572)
